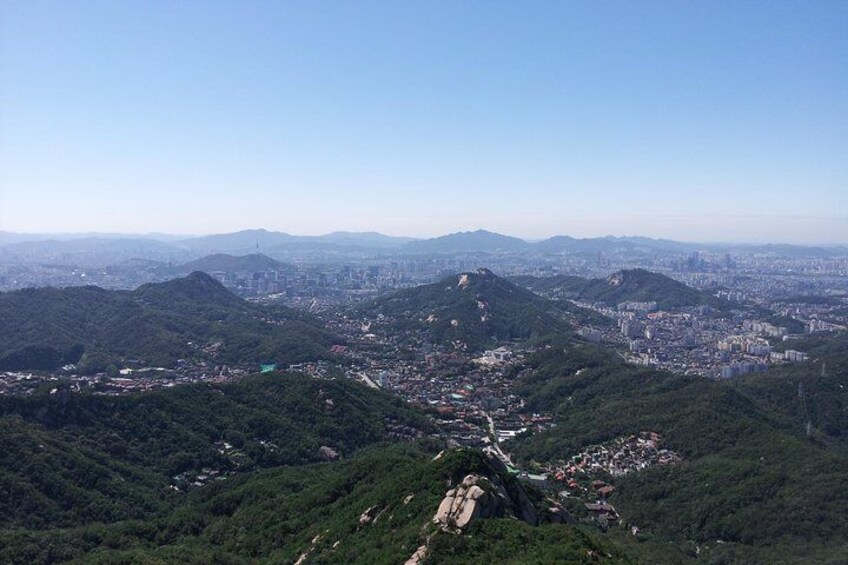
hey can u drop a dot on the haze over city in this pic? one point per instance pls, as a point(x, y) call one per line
point(691, 121)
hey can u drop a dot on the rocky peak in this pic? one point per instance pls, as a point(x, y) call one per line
point(616, 279)
point(481, 496)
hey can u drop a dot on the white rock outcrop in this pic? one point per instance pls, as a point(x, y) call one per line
point(467, 502)
point(417, 557)
point(370, 515)
point(484, 496)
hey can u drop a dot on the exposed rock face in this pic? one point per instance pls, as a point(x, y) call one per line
point(522, 508)
point(302, 559)
point(464, 503)
point(328, 453)
point(418, 556)
point(479, 496)
point(369, 516)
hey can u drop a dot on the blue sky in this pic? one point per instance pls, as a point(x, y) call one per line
point(709, 121)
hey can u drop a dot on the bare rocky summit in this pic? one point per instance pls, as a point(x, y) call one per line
point(479, 497)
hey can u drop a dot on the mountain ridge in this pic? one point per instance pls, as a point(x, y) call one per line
point(45, 328)
point(85, 248)
point(477, 241)
point(636, 285)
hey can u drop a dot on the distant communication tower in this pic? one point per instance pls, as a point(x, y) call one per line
point(257, 244)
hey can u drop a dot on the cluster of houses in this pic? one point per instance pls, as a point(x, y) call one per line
point(617, 457)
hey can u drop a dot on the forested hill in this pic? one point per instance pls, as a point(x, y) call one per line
point(474, 309)
point(193, 317)
point(636, 285)
point(264, 470)
point(236, 263)
point(763, 469)
point(75, 457)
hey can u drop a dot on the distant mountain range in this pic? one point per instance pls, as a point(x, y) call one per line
point(489, 242)
point(465, 242)
point(253, 240)
point(636, 285)
point(193, 317)
point(103, 249)
point(91, 251)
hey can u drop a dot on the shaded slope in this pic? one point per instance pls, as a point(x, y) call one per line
point(278, 515)
point(636, 285)
point(813, 393)
point(157, 323)
point(72, 458)
point(474, 309)
point(749, 475)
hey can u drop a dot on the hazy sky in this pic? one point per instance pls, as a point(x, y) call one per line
point(711, 121)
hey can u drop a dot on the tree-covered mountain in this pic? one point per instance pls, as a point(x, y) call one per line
point(376, 507)
point(193, 317)
point(110, 479)
point(254, 262)
point(755, 483)
point(475, 309)
point(93, 479)
point(629, 285)
point(71, 458)
point(813, 393)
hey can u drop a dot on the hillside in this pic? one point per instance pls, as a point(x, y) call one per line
point(475, 310)
point(255, 262)
point(636, 285)
point(241, 473)
point(157, 323)
point(71, 458)
point(376, 507)
point(813, 392)
point(750, 475)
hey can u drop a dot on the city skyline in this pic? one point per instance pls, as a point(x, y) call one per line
point(697, 122)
